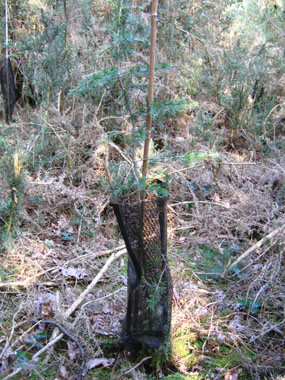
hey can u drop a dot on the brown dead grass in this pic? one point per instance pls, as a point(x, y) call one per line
point(227, 199)
point(232, 199)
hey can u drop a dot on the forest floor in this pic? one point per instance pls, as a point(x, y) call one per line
point(227, 316)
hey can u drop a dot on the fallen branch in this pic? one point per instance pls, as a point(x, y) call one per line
point(35, 356)
point(26, 283)
point(120, 152)
point(14, 284)
point(100, 254)
point(64, 332)
point(12, 374)
point(79, 300)
point(253, 248)
point(56, 336)
point(203, 202)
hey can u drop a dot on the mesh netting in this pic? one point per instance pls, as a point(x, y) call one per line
point(8, 88)
point(144, 229)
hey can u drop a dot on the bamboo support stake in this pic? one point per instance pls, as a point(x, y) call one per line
point(7, 100)
point(150, 86)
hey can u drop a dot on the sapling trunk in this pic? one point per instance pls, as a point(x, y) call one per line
point(143, 224)
point(150, 86)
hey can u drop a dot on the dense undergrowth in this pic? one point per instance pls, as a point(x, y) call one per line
point(218, 140)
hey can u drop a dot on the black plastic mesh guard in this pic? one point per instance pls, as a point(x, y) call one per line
point(8, 87)
point(144, 229)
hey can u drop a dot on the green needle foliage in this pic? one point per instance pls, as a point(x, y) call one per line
point(120, 87)
point(11, 165)
point(49, 58)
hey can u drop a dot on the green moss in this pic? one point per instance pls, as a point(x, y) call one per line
point(101, 373)
point(7, 273)
point(180, 348)
point(48, 373)
point(230, 358)
point(123, 271)
point(160, 356)
point(225, 312)
point(179, 376)
point(110, 345)
point(186, 349)
point(181, 352)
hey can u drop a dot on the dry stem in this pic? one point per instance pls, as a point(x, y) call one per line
point(55, 337)
point(254, 247)
point(133, 368)
point(79, 300)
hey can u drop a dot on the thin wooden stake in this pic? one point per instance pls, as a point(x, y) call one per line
point(7, 100)
point(150, 86)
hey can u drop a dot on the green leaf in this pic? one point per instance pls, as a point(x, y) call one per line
point(41, 335)
point(23, 356)
point(256, 305)
point(239, 272)
point(66, 236)
point(242, 302)
point(249, 303)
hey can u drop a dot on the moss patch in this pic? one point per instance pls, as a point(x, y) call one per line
point(179, 376)
point(181, 350)
point(231, 358)
point(111, 346)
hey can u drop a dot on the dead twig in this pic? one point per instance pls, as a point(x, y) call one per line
point(254, 247)
point(96, 255)
point(39, 306)
point(12, 374)
point(120, 152)
point(24, 284)
point(56, 336)
point(37, 354)
point(64, 332)
point(202, 202)
point(102, 298)
point(80, 299)
point(133, 368)
point(11, 333)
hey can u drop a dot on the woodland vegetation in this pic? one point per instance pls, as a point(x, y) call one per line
point(218, 137)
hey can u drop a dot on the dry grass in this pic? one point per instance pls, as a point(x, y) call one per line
point(220, 204)
point(220, 201)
